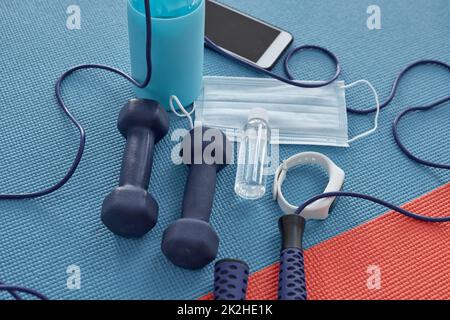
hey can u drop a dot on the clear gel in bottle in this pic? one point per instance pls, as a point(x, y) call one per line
point(253, 156)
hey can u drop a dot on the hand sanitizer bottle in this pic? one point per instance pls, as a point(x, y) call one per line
point(253, 156)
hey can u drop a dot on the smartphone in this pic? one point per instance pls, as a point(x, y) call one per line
point(251, 39)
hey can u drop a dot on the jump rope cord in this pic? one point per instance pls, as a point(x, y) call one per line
point(12, 293)
point(62, 105)
point(402, 147)
point(405, 151)
point(13, 290)
point(410, 155)
point(372, 199)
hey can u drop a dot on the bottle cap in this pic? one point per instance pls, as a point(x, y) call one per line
point(259, 113)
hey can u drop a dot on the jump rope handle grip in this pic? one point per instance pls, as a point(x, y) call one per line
point(230, 280)
point(292, 279)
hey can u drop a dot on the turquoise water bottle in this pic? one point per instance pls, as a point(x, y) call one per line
point(178, 30)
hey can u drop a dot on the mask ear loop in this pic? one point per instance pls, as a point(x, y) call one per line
point(378, 109)
point(185, 113)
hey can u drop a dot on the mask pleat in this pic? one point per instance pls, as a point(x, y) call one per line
point(298, 115)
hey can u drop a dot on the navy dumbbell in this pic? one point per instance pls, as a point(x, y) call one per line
point(230, 280)
point(130, 211)
point(191, 242)
point(292, 280)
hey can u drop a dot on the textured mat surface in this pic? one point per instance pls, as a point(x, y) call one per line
point(408, 256)
point(39, 239)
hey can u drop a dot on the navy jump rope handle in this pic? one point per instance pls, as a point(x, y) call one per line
point(199, 192)
point(292, 280)
point(230, 280)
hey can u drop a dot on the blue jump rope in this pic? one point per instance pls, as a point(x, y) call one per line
point(14, 290)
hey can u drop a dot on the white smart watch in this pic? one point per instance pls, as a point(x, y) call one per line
point(320, 209)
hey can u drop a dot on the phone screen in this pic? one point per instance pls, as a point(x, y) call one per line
point(238, 33)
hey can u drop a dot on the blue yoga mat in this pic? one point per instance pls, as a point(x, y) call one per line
point(40, 238)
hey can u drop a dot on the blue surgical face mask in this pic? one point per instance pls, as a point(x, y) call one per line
point(311, 116)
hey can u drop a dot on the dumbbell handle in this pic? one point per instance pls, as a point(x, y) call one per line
point(199, 192)
point(138, 158)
